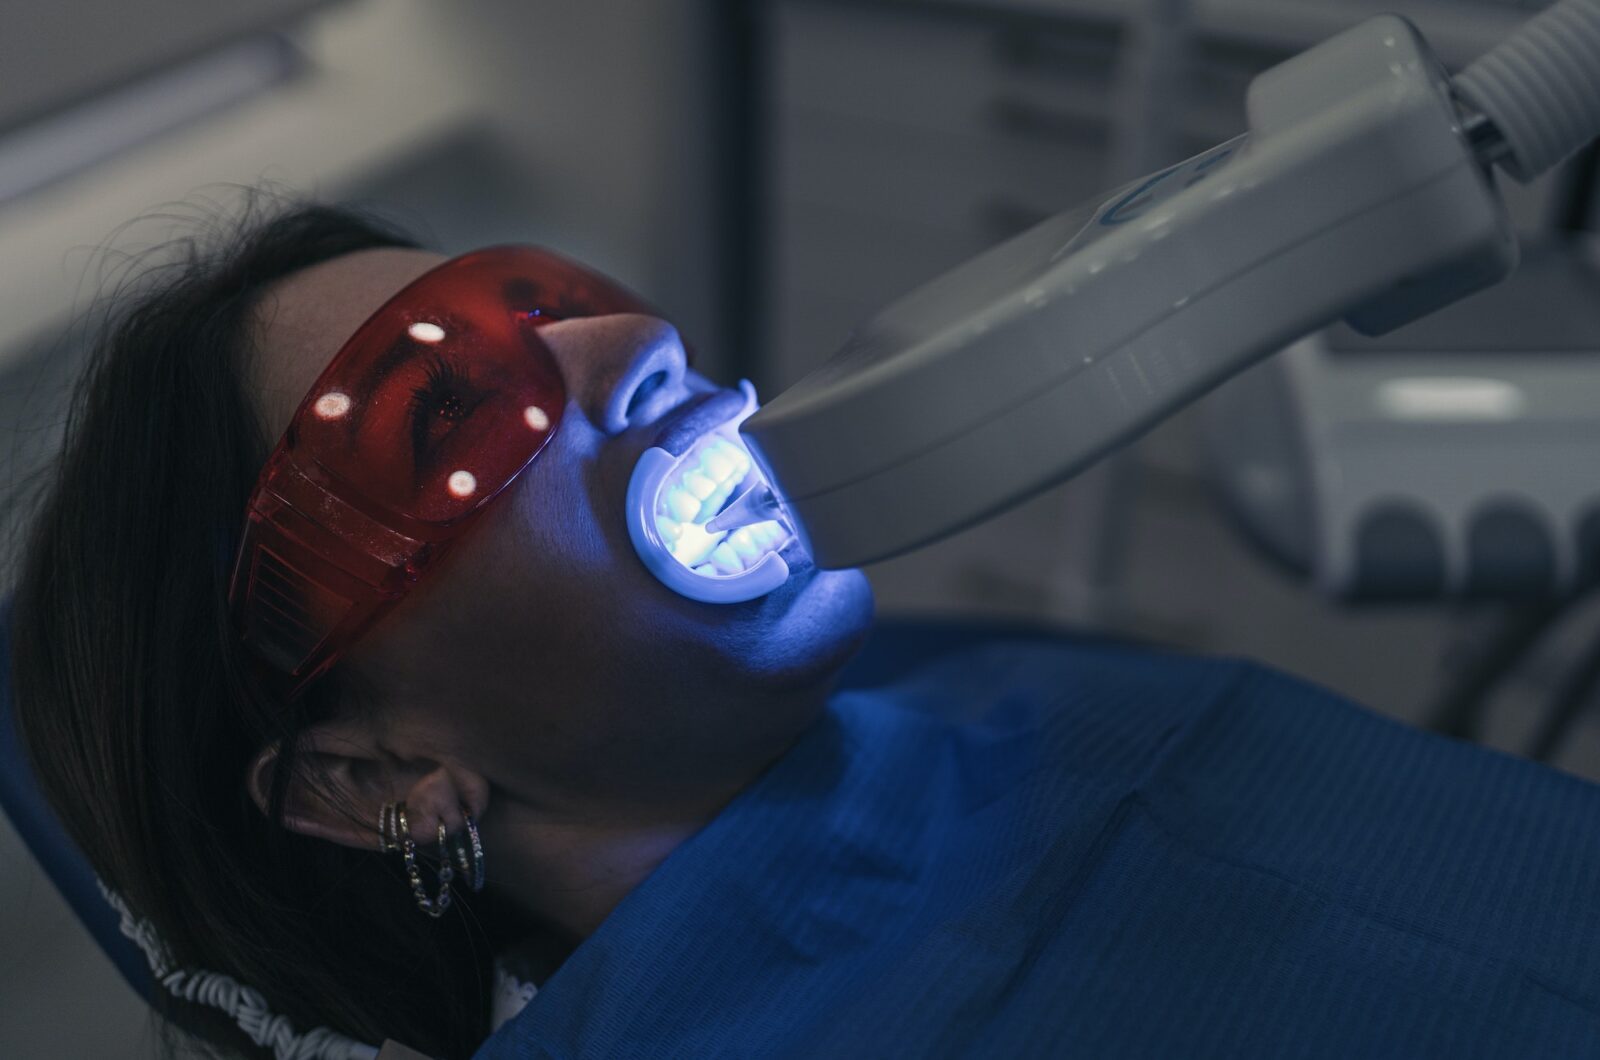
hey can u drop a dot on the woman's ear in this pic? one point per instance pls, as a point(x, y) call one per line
point(336, 777)
point(342, 778)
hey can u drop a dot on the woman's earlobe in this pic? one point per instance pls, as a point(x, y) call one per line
point(443, 795)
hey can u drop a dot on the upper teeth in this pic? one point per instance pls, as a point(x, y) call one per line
point(704, 482)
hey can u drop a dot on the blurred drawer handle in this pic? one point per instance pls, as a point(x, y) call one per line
point(1086, 53)
point(1031, 121)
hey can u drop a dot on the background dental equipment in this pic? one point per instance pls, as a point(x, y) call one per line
point(1362, 191)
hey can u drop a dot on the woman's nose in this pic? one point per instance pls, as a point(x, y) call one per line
point(615, 364)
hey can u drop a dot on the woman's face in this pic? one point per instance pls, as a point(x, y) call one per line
point(540, 649)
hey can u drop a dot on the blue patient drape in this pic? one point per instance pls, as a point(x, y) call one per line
point(1045, 850)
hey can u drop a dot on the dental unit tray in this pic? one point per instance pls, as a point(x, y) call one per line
point(1452, 458)
point(1361, 192)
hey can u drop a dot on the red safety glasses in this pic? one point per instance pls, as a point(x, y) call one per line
point(430, 410)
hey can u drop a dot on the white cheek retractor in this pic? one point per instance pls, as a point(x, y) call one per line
point(670, 500)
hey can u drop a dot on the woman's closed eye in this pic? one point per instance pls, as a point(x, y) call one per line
point(445, 399)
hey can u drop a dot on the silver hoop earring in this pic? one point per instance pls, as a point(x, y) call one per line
point(436, 905)
point(388, 829)
point(471, 862)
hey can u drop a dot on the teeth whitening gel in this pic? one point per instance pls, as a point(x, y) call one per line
point(1362, 191)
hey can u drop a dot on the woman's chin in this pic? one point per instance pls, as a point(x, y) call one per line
point(814, 623)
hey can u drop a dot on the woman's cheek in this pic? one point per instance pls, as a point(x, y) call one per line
point(552, 533)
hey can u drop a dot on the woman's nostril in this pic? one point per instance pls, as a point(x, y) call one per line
point(648, 386)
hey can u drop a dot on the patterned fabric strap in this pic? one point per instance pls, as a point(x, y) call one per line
point(245, 1006)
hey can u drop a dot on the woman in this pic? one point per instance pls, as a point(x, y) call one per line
point(692, 850)
point(539, 679)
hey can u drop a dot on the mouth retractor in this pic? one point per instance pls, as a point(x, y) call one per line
point(670, 500)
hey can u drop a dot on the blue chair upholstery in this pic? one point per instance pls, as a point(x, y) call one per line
point(60, 859)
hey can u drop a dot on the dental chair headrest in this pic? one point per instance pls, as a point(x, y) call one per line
point(43, 835)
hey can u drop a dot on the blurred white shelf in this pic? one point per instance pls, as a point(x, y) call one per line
point(373, 93)
point(1459, 31)
point(56, 52)
point(80, 137)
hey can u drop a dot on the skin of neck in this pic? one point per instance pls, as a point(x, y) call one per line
point(570, 830)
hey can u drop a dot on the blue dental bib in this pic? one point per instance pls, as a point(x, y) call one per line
point(1054, 850)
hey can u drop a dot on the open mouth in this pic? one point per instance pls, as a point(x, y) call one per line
point(670, 499)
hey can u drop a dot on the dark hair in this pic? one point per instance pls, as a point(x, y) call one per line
point(135, 699)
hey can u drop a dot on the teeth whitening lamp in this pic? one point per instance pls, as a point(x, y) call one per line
point(1362, 191)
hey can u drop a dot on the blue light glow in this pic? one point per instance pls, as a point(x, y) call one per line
point(669, 500)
